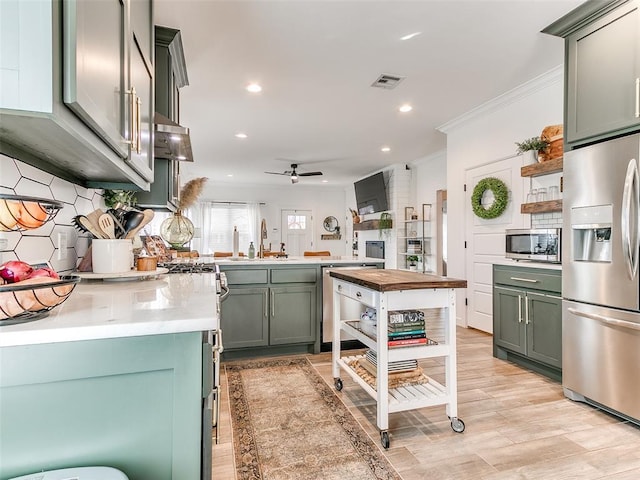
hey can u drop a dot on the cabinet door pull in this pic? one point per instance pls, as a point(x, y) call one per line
point(637, 97)
point(266, 304)
point(530, 280)
point(138, 125)
point(273, 304)
point(526, 311)
point(358, 294)
point(132, 137)
point(519, 308)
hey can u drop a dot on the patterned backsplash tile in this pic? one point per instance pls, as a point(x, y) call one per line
point(44, 243)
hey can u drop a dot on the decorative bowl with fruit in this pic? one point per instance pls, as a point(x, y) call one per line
point(28, 293)
point(19, 213)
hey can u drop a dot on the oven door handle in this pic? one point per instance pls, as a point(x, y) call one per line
point(601, 318)
point(225, 293)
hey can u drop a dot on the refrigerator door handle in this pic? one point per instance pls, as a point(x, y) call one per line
point(603, 319)
point(630, 194)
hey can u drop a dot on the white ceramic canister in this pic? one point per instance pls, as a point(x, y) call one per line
point(112, 255)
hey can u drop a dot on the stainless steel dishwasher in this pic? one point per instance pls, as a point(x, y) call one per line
point(349, 308)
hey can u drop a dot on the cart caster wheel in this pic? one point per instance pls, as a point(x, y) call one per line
point(338, 384)
point(384, 439)
point(457, 425)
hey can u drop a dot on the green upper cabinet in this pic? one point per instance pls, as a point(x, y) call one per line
point(602, 70)
point(66, 100)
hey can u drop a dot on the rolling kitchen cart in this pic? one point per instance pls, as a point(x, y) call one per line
point(396, 290)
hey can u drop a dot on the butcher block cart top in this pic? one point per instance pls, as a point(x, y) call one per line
point(401, 294)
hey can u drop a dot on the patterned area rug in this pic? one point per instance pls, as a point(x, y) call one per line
point(288, 424)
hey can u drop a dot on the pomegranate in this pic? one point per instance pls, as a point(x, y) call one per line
point(15, 271)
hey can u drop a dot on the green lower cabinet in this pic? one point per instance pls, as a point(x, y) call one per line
point(544, 328)
point(527, 322)
point(130, 403)
point(245, 317)
point(293, 315)
point(508, 310)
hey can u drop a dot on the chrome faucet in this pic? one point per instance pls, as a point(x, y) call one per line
point(263, 236)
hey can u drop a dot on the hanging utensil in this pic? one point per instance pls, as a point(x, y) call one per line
point(106, 225)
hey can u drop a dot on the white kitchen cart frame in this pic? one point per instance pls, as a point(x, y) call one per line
point(398, 399)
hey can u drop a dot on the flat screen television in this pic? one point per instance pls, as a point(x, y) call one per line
point(371, 194)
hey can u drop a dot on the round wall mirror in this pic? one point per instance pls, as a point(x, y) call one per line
point(330, 224)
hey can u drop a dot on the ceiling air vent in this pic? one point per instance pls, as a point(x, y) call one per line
point(387, 81)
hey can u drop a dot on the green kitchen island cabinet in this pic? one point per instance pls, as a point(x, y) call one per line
point(114, 376)
point(527, 317)
point(275, 305)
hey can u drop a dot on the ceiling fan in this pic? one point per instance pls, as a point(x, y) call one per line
point(294, 175)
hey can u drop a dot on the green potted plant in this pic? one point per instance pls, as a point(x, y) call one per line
point(118, 198)
point(533, 145)
point(413, 262)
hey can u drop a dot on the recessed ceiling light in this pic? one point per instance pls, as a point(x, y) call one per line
point(405, 108)
point(385, 149)
point(230, 175)
point(181, 157)
point(325, 181)
point(410, 36)
point(254, 88)
point(241, 135)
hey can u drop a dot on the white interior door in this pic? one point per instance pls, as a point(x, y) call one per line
point(297, 231)
point(485, 239)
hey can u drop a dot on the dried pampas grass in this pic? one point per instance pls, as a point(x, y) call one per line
point(190, 192)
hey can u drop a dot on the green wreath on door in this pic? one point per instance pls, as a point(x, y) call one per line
point(500, 195)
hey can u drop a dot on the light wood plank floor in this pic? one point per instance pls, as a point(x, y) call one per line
point(519, 426)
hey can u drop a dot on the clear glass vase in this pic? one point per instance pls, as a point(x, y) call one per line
point(177, 230)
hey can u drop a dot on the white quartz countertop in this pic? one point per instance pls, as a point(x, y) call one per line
point(333, 260)
point(175, 303)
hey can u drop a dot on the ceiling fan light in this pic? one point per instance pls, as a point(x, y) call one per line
point(294, 179)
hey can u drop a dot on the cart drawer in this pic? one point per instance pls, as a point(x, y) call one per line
point(361, 294)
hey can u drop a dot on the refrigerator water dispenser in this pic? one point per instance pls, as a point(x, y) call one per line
point(591, 228)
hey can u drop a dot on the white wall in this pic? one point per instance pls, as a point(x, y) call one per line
point(322, 200)
point(486, 134)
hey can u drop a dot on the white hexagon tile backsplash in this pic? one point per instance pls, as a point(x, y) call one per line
point(44, 243)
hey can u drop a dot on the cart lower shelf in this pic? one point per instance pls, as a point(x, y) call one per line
point(426, 394)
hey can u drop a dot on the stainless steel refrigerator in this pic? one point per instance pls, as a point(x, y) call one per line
point(600, 286)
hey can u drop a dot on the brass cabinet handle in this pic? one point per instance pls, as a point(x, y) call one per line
point(273, 304)
point(266, 305)
point(139, 125)
point(637, 97)
point(519, 308)
point(133, 135)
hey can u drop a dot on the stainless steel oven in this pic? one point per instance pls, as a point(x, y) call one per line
point(540, 244)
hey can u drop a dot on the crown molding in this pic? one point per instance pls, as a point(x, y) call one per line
point(534, 85)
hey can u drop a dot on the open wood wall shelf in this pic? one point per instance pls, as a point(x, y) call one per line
point(367, 225)
point(542, 168)
point(542, 207)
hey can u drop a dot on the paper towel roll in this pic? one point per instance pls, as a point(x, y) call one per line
point(236, 242)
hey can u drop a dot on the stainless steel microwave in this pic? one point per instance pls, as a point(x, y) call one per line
point(540, 244)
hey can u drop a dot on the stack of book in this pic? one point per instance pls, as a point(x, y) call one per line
point(406, 328)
